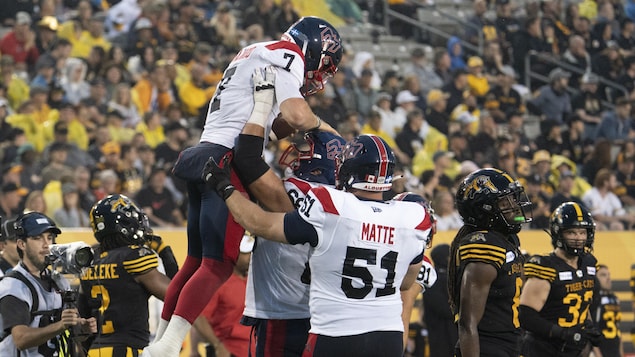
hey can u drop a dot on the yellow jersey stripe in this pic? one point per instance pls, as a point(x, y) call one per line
point(142, 269)
point(482, 251)
point(483, 257)
point(483, 246)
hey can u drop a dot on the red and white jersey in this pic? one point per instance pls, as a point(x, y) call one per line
point(364, 249)
point(231, 106)
point(274, 288)
point(427, 275)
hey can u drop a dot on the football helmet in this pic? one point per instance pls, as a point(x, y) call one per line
point(117, 221)
point(571, 215)
point(314, 161)
point(321, 46)
point(413, 197)
point(366, 163)
point(491, 198)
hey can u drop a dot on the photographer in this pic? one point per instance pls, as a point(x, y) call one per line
point(33, 321)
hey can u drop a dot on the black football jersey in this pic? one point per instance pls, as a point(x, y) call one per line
point(499, 325)
point(569, 298)
point(116, 299)
point(605, 312)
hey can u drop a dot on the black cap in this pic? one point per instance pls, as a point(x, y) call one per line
point(8, 230)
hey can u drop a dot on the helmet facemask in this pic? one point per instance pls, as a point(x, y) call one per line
point(314, 81)
point(514, 210)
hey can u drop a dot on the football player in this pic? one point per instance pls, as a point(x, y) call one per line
point(124, 275)
point(554, 304)
point(485, 270)
point(363, 249)
point(303, 60)
point(606, 314)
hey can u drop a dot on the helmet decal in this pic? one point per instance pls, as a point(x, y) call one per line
point(481, 184)
point(330, 39)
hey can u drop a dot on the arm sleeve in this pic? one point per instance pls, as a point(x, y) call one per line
point(299, 231)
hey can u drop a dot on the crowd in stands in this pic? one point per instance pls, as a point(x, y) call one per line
point(99, 97)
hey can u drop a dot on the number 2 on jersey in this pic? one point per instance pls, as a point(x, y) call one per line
point(388, 262)
point(95, 292)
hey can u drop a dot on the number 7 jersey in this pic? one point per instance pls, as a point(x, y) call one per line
point(364, 249)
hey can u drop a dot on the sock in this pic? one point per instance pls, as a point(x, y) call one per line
point(188, 269)
point(198, 291)
point(172, 340)
point(163, 324)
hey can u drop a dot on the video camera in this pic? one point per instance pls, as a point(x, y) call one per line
point(70, 258)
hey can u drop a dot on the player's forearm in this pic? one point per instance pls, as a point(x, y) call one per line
point(299, 115)
point(268, 225)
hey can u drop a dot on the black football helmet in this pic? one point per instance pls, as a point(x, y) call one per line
point(117, 221)
point(366, 163)
point(571, 215)
point(315, 161)
point(481, 194)
point(321, 46)
point(413, 197)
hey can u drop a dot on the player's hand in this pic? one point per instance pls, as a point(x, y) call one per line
point(264, 95)
point(217, 176)
point(155, 242)
point(571, 335)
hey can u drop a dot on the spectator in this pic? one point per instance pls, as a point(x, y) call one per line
point(73, 81)
point(365, 94)
point(447, 219)
point(118, 132)
point(455, 51)
point(12, 196)
point(553, 101)
point(152, 129)
point(122, 102)
point(503, 100)
point(605, 206)
point(442, 64)
point(455, 89)
point(261, 14)
point(129, 175)
point(420, 67)
point(107, 184)
point(507, 25)
point(626, 39)
point(97, 97)
point(530, 39)
point(44, 73)
point(195, 94)
point(327, 108)
point(577, 56)
point(56, 167)
point(157, 202)
point(625, 176)
point(9, 257)
point(227, 33)
point(550, 138)
point(616, 124)
point(540, 202)
point(551, 11)
point(19, 43)
point(70, 214)
point(564, 191)
point(587, 104)
point(479, 23)
point(436, 116)
point(155, 92)
point(168, 151)
point(476, 81)
point(388, 116)
point(92, 37)
point(286, 16)
point(81, 180)
point(408, 139)
point(574, 141)
point(373, 127)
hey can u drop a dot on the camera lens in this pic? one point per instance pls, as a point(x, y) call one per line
point(84, 257)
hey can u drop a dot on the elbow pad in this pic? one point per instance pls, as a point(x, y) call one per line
point(248, 160)
point(531, 321)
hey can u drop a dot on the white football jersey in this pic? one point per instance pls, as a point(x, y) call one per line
point(231, 106)
point(274, 289)
point(427, 275)
point(363, 252)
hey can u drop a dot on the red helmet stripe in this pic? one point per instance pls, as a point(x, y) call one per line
point(383, 154)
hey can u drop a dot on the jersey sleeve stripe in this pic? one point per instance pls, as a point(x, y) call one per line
point(468, 256)
point(324, 197)
point(545, 270)
point(143, 269)
point(140, 261)
point(484, 247)
point(304, 186)
point(425, 224)
point(285, 45)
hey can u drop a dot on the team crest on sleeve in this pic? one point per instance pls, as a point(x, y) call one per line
point(535, 259)
point(478, 237)
point(480, 184)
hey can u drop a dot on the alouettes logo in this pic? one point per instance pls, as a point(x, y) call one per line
point(330, 40)
point(333, 148)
